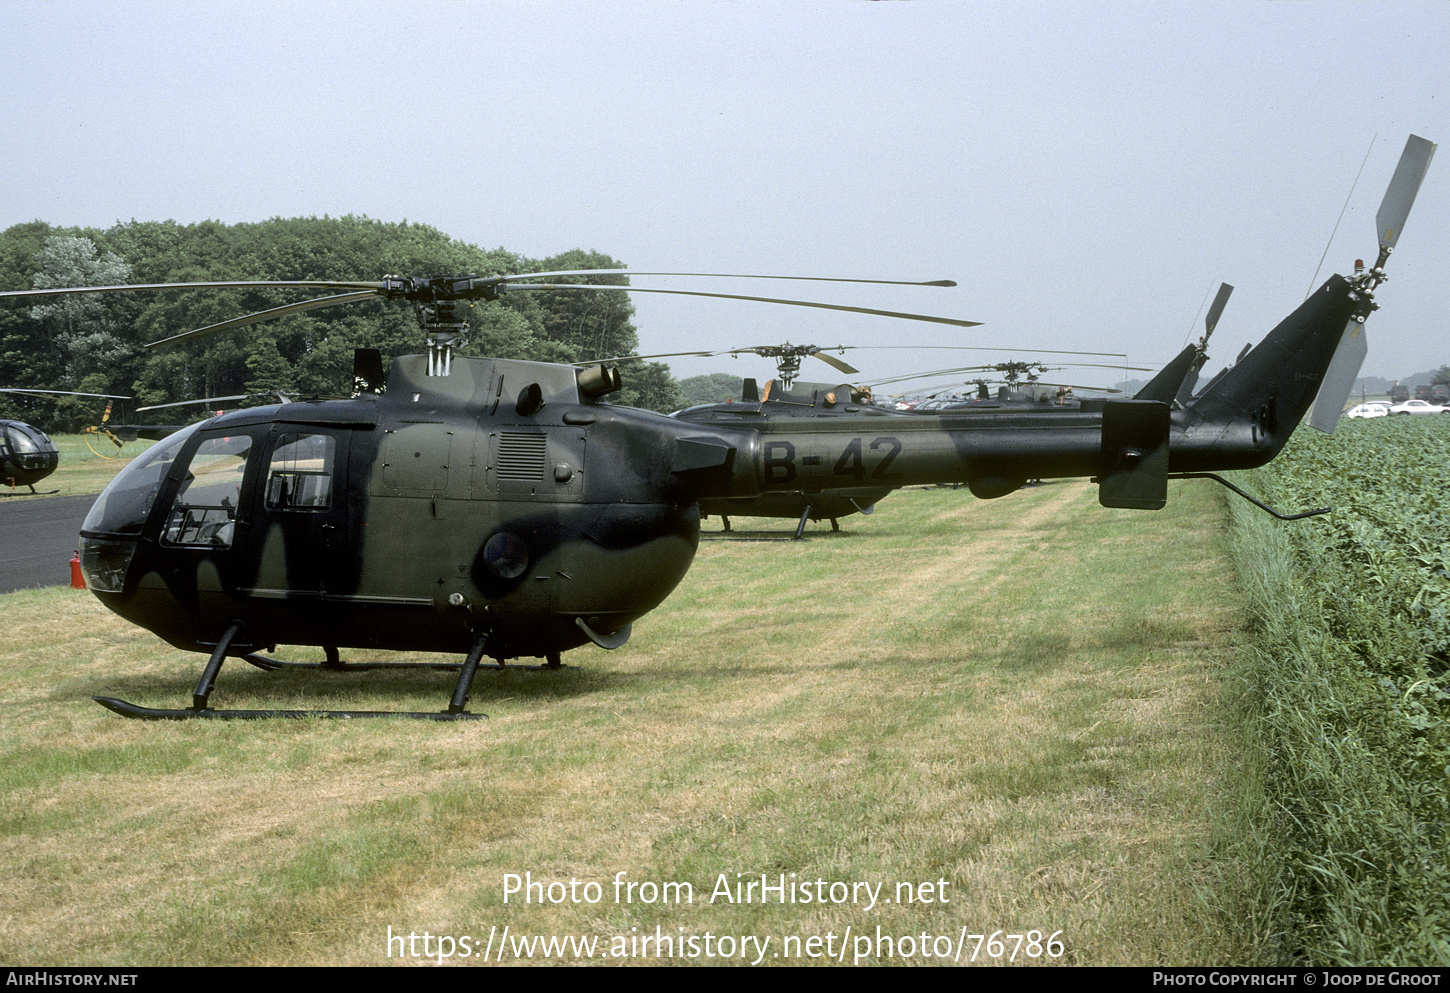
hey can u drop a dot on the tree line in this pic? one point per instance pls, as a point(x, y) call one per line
point(95, 343)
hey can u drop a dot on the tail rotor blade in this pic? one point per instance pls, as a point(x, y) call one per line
point(1339, 379)
point(1216, 311)
point(1400, 197)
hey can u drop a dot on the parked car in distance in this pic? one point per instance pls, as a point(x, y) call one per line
point(1419, 407)
point(1368, 410)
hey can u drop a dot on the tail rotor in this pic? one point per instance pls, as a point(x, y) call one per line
point(1390, 220)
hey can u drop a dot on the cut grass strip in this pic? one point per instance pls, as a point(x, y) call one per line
point(1020, 702)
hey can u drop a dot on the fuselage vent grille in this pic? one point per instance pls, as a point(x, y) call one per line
point(521, 456)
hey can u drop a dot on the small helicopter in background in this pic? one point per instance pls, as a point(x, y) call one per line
point(27, 454)
point(776, 401)
point(504, 509)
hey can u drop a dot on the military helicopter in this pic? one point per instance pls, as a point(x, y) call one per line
point(502, 509)
point(27, 455)
point(810, 400)
point(1018, 383)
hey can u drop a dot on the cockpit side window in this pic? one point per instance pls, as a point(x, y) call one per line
point(205, 509)
point(299, 476)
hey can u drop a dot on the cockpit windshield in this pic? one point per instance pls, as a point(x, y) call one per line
point(25, 439)
point(24, 443)
point(124, 505)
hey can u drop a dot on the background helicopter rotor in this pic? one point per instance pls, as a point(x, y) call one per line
point(788, 359)
point(89, 430)
point(92, 430)
point(1011, 371)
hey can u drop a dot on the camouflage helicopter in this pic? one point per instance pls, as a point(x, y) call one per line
point(27, 455)
point(502, 509)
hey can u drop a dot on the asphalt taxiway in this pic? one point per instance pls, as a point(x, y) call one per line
point(37, 537)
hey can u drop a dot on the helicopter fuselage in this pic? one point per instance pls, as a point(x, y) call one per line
point(503, 502)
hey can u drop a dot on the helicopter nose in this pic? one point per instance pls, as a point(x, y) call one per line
point(104, 562)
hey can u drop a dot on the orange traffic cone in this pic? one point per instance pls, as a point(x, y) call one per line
point(77, 580)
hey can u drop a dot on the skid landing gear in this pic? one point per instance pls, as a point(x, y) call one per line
point(200, 699)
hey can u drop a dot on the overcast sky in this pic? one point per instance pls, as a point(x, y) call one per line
point(1087, 172)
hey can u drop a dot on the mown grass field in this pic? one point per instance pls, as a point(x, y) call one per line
point(1024, 702)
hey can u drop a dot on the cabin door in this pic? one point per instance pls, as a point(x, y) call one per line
point(300, 526)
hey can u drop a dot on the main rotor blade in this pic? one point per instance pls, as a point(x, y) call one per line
point(739, 296)
point(835, 363)
point(894, 348)
point(188, 403)
point(990, 348)
point(316, 284)
point(993, 368)
point(1400, 197)
point(642, 358)
point(70, 393)
point(267, 315)
point(722, 275)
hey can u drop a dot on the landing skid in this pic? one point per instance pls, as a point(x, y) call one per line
point(201, 709)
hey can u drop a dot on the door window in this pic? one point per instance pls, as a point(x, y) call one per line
point(300, 474)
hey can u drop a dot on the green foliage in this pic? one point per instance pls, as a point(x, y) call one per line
point(715, 387)
point(650, 385)
point(595, 325)
point(59, 344)
point(1355, 694)
point(80, 332)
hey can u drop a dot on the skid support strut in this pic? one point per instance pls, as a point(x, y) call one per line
point(465, 676)
point(201, 698)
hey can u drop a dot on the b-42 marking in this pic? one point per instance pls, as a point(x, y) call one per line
point(779, 460)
